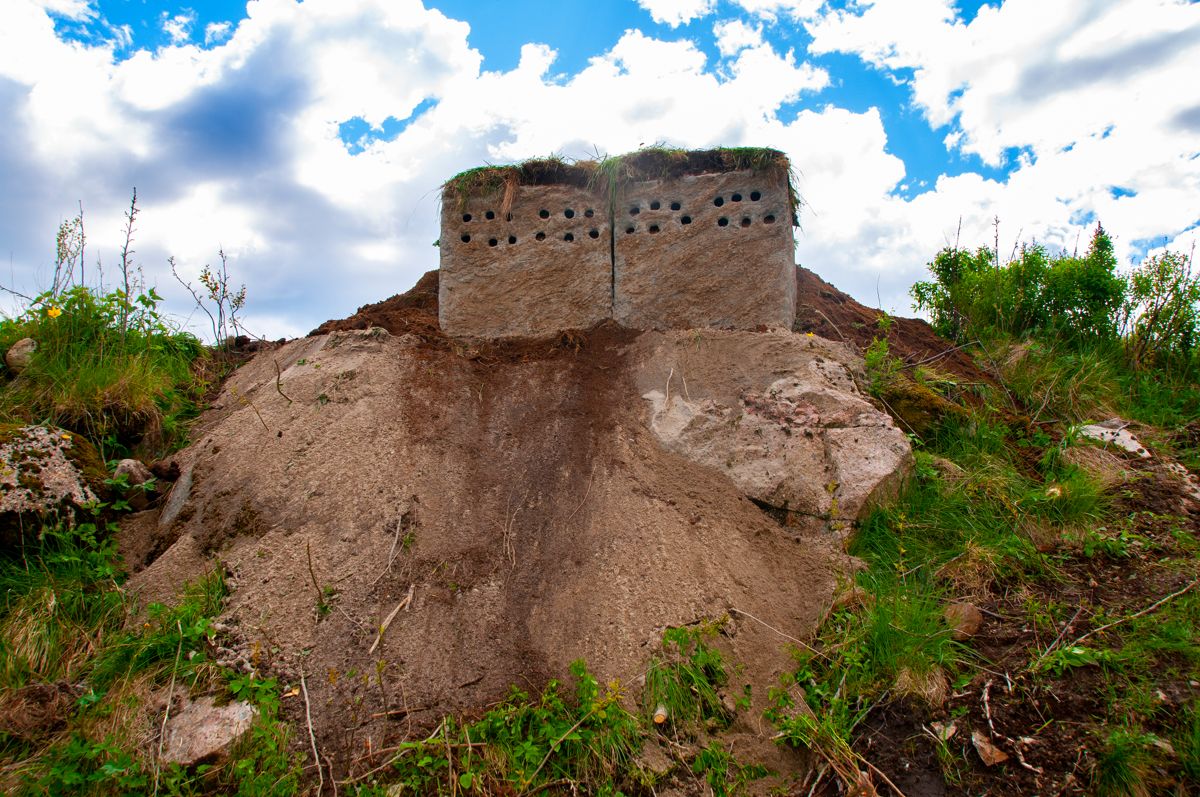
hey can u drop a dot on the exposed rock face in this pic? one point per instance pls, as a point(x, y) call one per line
point(46, 473)
point(779, 413)
point(543, 266)
point(203, 733)
point(19, 354)
point(709, 250)
point(1114, 431)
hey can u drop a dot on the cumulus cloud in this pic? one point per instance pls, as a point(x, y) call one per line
point(733, 35)
point(677, 12)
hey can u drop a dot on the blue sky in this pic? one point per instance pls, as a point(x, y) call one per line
point(309, 139)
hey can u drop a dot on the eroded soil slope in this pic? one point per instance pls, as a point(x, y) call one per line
point(512, 502)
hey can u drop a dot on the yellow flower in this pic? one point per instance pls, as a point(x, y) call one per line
point(808, 334)
point(54, 312)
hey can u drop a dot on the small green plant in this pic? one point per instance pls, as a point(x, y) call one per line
point(683, 680)
point(722, 772)
point(1122, 766)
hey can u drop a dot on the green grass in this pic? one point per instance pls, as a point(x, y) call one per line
point(115, 371)
point(683, 679)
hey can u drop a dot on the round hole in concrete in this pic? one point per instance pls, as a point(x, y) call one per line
point(512, 239)
point(466, 217)
point(686, 220)
point(736, 198)
point(675, 206)
point(489, 215)
point(719, 201)
point(543, 214)
point(589, 213)
point(655, 205)
point(568, 237)
point(653, 228)
point(633, 211)
point(722, 222)
point(492, 242)
point(768, 219)
point(466, 238)
point(541, 236)
point(755, 196)
point(593, 234)
point(745, 221)
point(570, 214)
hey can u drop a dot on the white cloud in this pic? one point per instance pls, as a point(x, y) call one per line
point(677, 12)
point(734, 35)
point(215, 32)
point(179, 26)
point(772, 9)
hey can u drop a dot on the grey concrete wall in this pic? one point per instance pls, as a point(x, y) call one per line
point(711, 250)
point(543, 267)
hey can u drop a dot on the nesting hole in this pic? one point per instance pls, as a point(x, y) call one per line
point(466, 217)
point(570, 214)
point(653, 228)
point(589, 213)
point(492, 242)
point(675, 206)
point(512, 239)
point(543, 214)
point(719, 201)
point(593, 233)
point(722, 222)
point(541, 236)
point(736, 198)
point(655, 205)
point(755, 196)
point(630, 230)
point(489, 215)
point(768, 219)
point(745, 221)
point(633, 211)
point(466, 238)
point(686, 220)
point(568, 237)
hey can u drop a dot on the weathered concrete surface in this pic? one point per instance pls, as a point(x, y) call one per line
point(778, 413)
point(678, 266)
point(543, 267)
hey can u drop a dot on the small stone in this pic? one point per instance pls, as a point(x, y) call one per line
point(19, 354)
point(964, 619)
point(202, 732)
point(135, 474)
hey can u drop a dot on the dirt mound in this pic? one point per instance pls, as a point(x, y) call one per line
point(824, 310)
point(509, 515)
point(413, 312)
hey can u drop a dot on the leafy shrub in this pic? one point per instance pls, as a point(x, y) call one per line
point(1161, 313)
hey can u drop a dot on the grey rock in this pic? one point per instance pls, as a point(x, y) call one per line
point(135, 474)
point(176, 498)
point(778, 413)
point(19, 354)
point(202, 732)
point(46, 474)
point(964, 619)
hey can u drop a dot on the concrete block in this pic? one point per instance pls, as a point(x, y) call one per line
point(542, 266)
point(707, 250)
